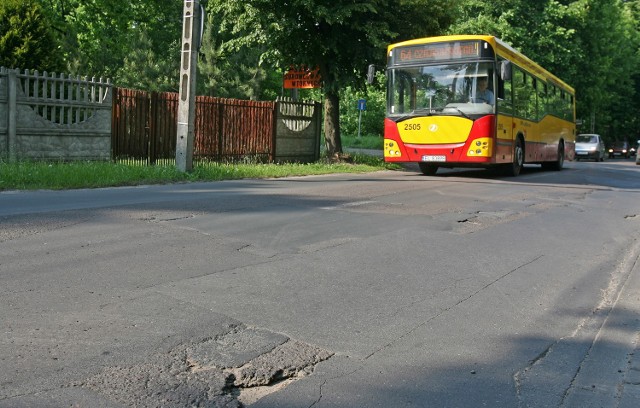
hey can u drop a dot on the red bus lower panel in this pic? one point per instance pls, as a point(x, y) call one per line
point(477, 149)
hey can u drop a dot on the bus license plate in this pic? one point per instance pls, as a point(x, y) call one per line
point(431, 158)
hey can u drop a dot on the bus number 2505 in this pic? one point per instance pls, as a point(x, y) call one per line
point(411, 126)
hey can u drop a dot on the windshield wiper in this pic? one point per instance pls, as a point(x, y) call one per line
point(418, 112)
point(461, 112)
point(428, 111)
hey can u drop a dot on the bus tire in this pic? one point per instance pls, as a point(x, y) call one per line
point(513, 169)
point(428, 169)
point(559, 163)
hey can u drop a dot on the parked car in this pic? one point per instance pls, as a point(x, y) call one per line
point(619, 149)
point(590, 146)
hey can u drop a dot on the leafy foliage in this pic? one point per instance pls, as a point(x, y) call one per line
point(340, 37)
point(230, 73)
point(590, 44)
point(97, 36)
point(26, 40)
point(144, 69)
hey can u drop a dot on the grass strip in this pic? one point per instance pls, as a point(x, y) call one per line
point(38, 175)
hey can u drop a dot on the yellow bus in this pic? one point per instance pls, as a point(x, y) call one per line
point(474, 101)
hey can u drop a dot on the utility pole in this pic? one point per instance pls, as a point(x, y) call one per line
point(191, 38)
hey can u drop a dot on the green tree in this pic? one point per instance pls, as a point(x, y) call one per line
point(605, 82)
point(340, 37)
point(633, 112)
point(98, 36)
point(26, 40)
point(590, 44)
point(229, 72)
point(546, 31)
point(144, 69)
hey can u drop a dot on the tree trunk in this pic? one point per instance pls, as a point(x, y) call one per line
point(332, 125)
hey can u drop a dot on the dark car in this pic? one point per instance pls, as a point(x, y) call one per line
point(620, 149)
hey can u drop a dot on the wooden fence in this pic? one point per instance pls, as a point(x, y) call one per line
point(144, 127)
point(232, 129)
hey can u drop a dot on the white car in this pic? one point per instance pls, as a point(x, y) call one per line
point(590, 146)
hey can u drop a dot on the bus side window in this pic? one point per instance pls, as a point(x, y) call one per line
point(505, 95)
point(566, 106)
point(532, 102)
point(520, 94)
point(526, 98)
point(553, 103)
point(535, 100)
point(571, 112)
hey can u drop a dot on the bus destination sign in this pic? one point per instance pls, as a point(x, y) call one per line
point(436, 52)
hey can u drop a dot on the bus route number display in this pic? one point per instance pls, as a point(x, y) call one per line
point(436, 52)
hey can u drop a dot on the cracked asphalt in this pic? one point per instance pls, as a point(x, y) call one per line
point(376, 290)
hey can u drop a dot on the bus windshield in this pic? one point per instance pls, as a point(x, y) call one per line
point(465, 89)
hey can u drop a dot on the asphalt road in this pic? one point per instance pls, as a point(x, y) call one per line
point(389, 289)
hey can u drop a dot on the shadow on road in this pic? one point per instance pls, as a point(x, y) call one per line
point(615, 174)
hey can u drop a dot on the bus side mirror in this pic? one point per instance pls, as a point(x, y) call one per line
point(371, 74)
point(505, 70)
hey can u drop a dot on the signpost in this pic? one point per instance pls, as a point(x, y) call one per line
point(362, 105)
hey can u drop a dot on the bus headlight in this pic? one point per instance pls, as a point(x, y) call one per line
point(391, 148)
point(482, 147)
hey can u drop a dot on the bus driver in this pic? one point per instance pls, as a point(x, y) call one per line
point(483, 94)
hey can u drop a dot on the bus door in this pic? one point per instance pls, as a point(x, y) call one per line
point(505, 121)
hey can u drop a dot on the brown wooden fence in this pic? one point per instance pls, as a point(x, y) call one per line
point(230, 129)
point(144, 127)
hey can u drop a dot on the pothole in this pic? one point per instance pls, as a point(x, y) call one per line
point(485, 219)
point(275, 370)
point(231, 370)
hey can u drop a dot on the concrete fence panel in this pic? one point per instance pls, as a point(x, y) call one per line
point(298, 131)
point(53, 117)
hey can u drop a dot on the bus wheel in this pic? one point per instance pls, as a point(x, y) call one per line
point(556, 165)
point(514, 168)
point(428, 169)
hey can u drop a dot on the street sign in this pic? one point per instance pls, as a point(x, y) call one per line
point(362, 105)
point(302, 78)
